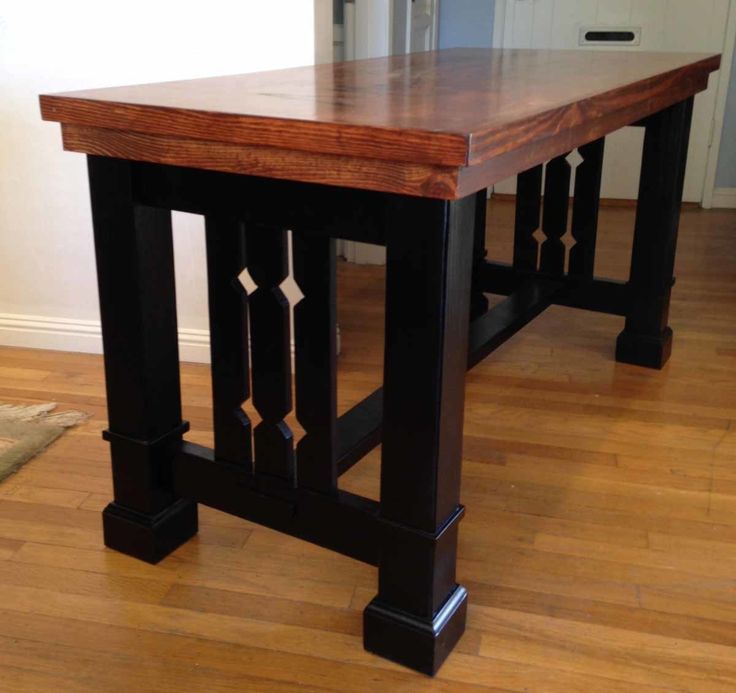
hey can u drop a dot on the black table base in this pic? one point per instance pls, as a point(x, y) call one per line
point(436, 281)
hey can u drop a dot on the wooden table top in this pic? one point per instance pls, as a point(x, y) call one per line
point(437, 124)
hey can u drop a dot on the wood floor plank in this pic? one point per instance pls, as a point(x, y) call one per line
point(9, 547)
point(639, 658)
point(137, 673)
point(164, 619)
point(233, 660)
point(669, 619)
point(524, 676)
point(22, 680)
point(40, 495)
point(71, 581)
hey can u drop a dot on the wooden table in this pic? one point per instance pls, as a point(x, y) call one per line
point(394, 151)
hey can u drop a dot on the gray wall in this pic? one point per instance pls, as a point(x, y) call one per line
point(466, 23)
point(726, 175)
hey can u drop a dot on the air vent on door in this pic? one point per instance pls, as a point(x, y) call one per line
point(609, 36)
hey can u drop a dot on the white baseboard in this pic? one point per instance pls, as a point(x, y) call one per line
point(724, 198)
point(194, 345)
point(40, 332)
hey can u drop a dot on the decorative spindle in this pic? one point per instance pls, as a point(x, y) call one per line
point(315, 327)
point(228, 304)
point(478, 299)
point(268, 265)
point(554, 216)
point(528, 207)
point(585, 209)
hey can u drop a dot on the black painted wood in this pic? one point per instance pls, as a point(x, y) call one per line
point(435, 252)
point(341, 522)
point(429, 262)
point(315, 326)
point(478, 300)
point(228, 316)
point(504, 320)
point(584, 227)
point(323, 210)
point(599, 295)
point(528, 210)
point(647, 338)
point(554, 215)
point(359, 430)
point(268, 265)
point(135, 272)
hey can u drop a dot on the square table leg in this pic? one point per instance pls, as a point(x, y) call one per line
point(647, 338)
point(478, 300)
point(135, 269)
point(419, 612)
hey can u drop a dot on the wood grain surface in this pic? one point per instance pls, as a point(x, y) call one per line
point(599, 544)
point(425, 180)
point(482, 113)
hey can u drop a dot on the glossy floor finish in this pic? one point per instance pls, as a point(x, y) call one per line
point(599, 546)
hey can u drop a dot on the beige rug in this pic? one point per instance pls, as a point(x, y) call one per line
point(27, 430)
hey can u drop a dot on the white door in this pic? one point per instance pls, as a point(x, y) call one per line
point(650, 25)
point(367, 35)
point(324, 35)
point(423, 29)
point(374, 28)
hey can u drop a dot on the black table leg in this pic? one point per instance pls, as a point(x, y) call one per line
point(478, 300)
point(268, 263)
point(419, 612)
point(135, 268)
point(647, 338)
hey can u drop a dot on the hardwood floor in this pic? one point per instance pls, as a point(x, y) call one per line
point(599, 546)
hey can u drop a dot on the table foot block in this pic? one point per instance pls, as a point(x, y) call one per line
point(644, 350)
point(420, 644)
point(149, 537)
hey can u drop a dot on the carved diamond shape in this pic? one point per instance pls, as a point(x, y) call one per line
point(574, 159)
point(291, 290)
point(247, 281)
point(289, 286)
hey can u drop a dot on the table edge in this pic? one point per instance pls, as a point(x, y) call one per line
point(364, 141)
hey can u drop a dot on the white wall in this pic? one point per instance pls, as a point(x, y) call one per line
point(324, 49)
point(726, 175)
point(47, 280)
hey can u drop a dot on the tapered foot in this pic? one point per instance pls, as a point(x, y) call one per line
point(644, 350)
point(149, 537)
point(414, 642)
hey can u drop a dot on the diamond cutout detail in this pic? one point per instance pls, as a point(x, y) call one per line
point(289, 287)
point(574, 159)
point(291, 290)
point(247, 281)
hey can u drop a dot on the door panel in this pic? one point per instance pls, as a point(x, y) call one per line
point(423, 30)
point(665, 25)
